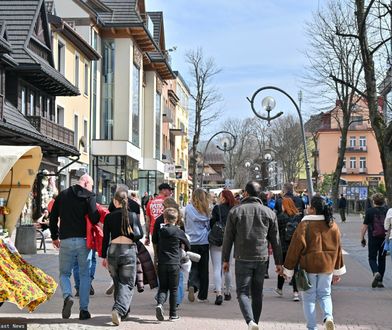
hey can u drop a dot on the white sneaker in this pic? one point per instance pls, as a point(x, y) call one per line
point(278, 292)
point(295, 296)
point(329, 324)
point(159, 313)
point(252, 326)
point(116, 319)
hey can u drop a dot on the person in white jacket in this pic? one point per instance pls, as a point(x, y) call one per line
point(388, 229)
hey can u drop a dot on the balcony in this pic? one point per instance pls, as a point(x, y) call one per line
point(363, 170)
point(352, 170)
point(167, 115)
point(52, 130)
point(344, 170)
point(355, 149)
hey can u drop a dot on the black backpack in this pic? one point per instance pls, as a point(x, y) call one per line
point(291, 226)
point(378, 223)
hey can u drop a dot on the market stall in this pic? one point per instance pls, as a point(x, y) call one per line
point(20, 282)
point(18, 169)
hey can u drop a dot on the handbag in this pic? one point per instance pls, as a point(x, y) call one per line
point(301, 277)
point(215, 236)
point(386, 244)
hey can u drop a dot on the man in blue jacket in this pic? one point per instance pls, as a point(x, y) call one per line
point(68, 212)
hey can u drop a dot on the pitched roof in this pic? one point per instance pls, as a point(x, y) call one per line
point(20, 17)
point(123, 13)
point(157, 19)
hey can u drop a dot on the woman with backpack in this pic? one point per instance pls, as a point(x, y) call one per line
point(218, 218)
point(373, 224)
point(288, 221)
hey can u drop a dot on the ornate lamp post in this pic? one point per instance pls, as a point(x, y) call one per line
point(268, 104)
point(227, 145)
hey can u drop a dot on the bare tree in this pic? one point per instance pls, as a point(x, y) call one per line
point(333, 59)
point(373, 32)
point(235, 159)
point(205, 96)
point(286, 142)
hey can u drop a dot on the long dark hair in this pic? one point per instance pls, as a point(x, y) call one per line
point(122, 197)
point(322, 208)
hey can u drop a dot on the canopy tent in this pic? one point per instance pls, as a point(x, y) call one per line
point(18, 168)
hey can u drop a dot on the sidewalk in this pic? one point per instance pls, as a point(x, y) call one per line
point(356, 305)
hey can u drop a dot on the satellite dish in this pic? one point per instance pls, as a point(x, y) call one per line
point(83, 141)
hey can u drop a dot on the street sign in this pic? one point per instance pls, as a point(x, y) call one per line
point(170, 168)
point(229, 183)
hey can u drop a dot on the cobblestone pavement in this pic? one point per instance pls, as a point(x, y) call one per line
point(356, 305)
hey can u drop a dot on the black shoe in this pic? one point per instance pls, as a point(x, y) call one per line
point(91, 290)
point(266, 275)
point(219, 300)
point(77, 293)
point(159, 313)
point(228, 296)
point(66, 312)
point(174, 318)
point(376, 279)
point(380, 285)
point(84, 315)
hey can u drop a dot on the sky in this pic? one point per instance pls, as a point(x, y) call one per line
point(256, 43)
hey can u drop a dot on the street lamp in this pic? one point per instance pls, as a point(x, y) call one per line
point(227, 145)
point(268, 105)
point(251, 166)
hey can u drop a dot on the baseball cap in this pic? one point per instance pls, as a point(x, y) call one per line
point(165, 186)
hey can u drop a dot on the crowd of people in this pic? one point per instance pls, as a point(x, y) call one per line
point(300, 233)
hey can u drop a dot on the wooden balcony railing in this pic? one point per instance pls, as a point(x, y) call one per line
point(52, 130)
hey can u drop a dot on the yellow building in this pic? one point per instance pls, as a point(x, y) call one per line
point(73, 57)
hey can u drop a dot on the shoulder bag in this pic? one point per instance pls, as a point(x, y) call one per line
point(301, 277)
point(215, 236)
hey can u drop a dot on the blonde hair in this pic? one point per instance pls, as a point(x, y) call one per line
point(201, 201)
point(170, 202)
point(170, 215)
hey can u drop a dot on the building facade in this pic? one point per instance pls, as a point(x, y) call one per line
point(362, 164)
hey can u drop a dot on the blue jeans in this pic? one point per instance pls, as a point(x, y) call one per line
point(93, 267)
point(122, 269)
point(249, 277)
point(377, 255)
point(72, 249)
point(321, 292)
point(180, 290)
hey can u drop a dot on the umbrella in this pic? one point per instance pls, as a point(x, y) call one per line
point(18, 169)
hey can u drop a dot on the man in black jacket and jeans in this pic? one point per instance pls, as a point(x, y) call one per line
point(250, 226)
point(68, 212)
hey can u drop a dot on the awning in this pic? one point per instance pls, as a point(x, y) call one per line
point(18, 168)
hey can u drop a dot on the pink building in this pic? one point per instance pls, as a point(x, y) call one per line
point(362, 164)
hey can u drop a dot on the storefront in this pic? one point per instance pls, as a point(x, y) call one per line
point(108, 171)
point(149, 181)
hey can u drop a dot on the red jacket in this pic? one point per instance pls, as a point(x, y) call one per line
point(94, 232)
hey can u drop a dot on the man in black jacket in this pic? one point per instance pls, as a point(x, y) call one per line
point(68, 213)
point(342, 207)
point(250, 226)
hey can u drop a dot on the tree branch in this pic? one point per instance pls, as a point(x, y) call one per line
point(342, 82)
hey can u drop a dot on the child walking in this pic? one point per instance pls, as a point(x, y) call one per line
point(170, 237)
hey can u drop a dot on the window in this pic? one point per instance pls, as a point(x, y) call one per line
point(158, 126)
point(108, 60)
point(344, 162)
point(32, 104)
point(362, 163)
point(23, 101)
point(94, 74)
point(85, 134)
point(353, 162)
point(353, 141)
point(135, 105)
point(61, 57)
point(362, 141)
point(60, 116)
point(76, 133)
point(77, 60)
point(85, 78)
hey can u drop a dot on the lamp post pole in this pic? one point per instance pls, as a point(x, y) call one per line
point(224, 149)
point(269, 104)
